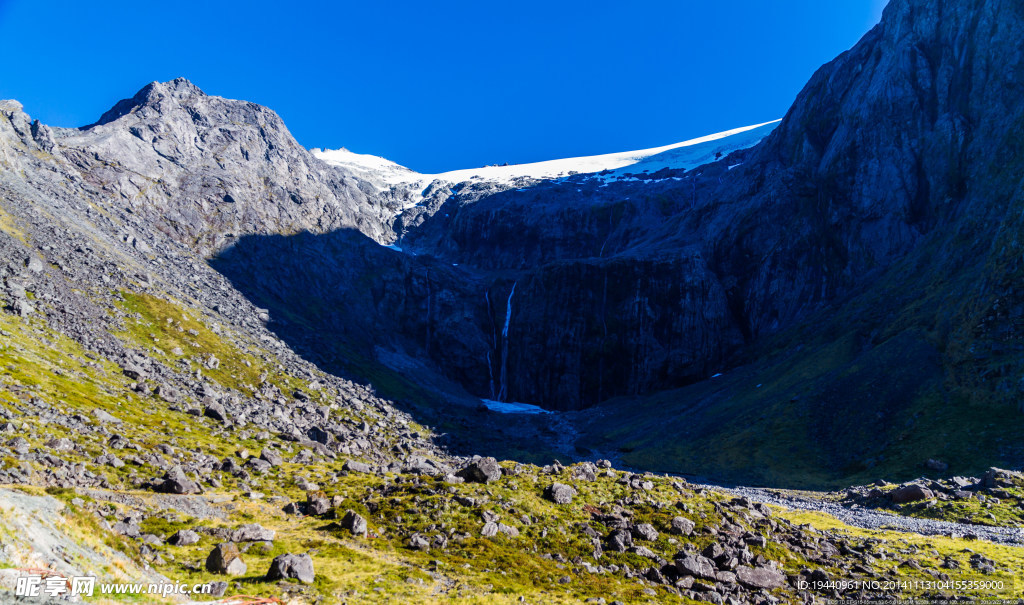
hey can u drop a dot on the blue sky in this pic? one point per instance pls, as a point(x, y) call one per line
point(439, 85)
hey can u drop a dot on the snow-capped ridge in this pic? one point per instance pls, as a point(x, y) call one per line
point(684, 155)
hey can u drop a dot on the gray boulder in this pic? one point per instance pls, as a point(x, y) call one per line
point(183, 537)
point(317, 504)
point(620, 540)
point(291, 567)
point(697, 566)
point(226, 559)
point(760, 577)
point(355, 523)
point(911, 493)
point(177, 482)
point(418, 542)
point(215, 411)
point(105, 417)
point(258, 465)
point(253, 532)
point(271, 456)
point(481, 470)
point(645, 531)
point(559, 493)
point(357, 467)
point(682, 526)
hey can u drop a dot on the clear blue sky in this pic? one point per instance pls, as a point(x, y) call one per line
point(434, 84)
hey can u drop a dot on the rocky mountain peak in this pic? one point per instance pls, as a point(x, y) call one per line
point(210, 169)
point(8, 106)
point(151, 95)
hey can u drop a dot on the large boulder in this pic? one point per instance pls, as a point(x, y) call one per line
point(682, 526)
point(559, 493)
point(911, 493)
point(317, 503)
point(357, 467)
point(177, 482)
point(183, 537)
point(645, 531)
point(105, 417)
point(418, 542)
point(354, 522)
point(481, 470)
point(271, 456)
point(215, 411)
point(697, 566)
point(253, 532)
point(760, 577)
point(225, 559)
point(289, 566)
point(620, 540)
point(997, 477)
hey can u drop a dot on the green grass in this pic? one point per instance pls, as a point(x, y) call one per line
point(161, 326)
point(930, 552)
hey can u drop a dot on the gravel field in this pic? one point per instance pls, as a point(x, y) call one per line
point(873, 519)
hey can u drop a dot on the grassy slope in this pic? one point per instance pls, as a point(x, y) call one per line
point(36, 362)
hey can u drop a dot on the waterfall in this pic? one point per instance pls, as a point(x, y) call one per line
point(490, 373)
point(503, 393)
point(494, 344)
point(508, 311)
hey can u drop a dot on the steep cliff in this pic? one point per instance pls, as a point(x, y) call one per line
point(891, 149)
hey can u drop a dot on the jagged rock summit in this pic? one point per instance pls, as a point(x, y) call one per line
point(178, 90)
point(207, 170)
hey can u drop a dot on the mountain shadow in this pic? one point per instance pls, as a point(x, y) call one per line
point(375, 315)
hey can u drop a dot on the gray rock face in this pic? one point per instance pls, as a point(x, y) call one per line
point(220, 168)
point(855, 178)
point(288, 566)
